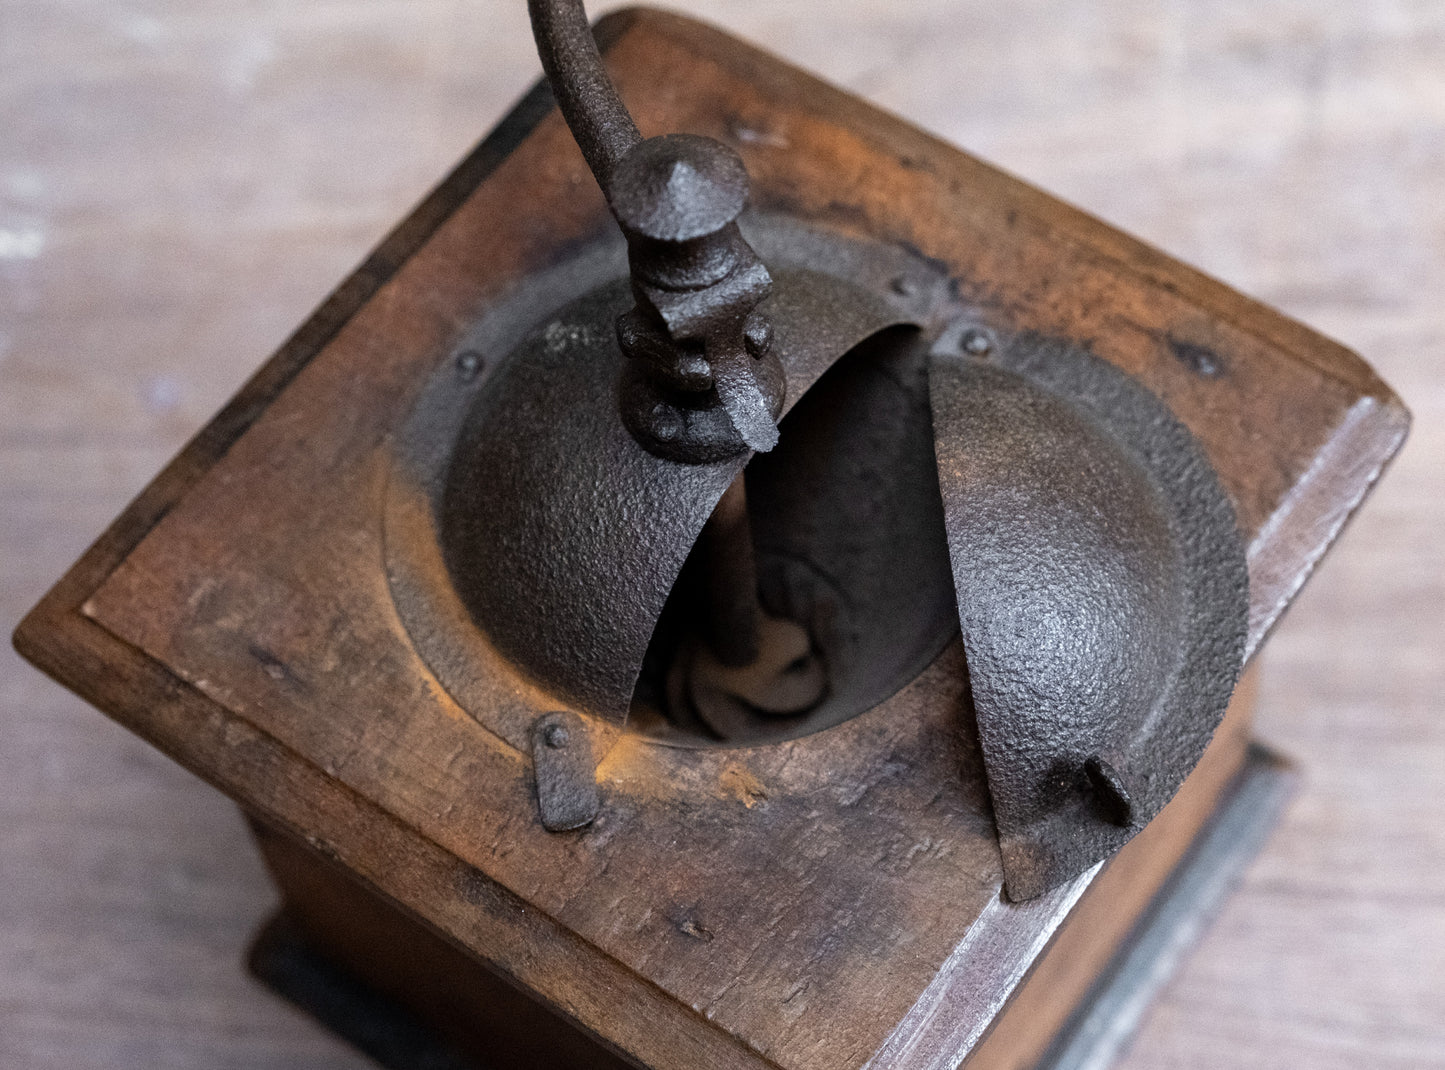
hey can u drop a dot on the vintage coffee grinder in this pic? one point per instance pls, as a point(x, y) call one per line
point(744, 596)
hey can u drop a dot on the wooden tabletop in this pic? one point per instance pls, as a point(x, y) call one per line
point(181, 181)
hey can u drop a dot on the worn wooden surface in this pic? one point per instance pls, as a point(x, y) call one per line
point(244, 625)
point(171, 159)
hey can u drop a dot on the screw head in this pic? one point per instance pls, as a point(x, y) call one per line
point(976, 342)
point(555, 736)
point(469, 363)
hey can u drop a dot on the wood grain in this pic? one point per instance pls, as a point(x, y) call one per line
point(127, 242)
point(238, 617)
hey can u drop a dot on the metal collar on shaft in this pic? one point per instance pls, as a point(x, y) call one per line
point(701, 385)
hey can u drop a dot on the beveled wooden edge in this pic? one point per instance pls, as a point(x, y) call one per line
point(1062, 220)
point(1027, 965)
point(479, 916)
point(212, 441)
point(523, 944)
point(1290, 545)
point(960, 1004)
point(466, 907)
point(1103, 1024)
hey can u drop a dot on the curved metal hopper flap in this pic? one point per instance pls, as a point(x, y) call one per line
point(1102, 595)
point(564, 536)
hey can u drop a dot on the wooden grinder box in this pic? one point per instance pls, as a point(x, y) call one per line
point(822, 903)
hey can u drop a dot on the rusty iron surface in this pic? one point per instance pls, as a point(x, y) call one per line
point(564, 535)
point(602, 540)
point(565, 772)
point(1102, 591)
point(575, 549)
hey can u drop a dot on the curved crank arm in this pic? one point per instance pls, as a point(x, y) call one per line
point(589, 102)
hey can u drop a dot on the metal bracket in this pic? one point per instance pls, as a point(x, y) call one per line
point(565, 771)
